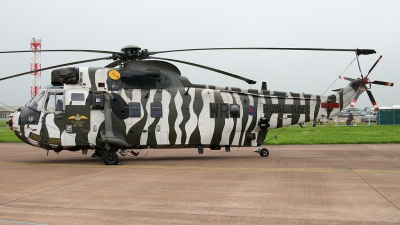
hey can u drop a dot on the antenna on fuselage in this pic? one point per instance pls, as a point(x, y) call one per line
point(264, 85)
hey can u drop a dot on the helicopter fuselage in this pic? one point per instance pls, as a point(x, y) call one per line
point(149, 104)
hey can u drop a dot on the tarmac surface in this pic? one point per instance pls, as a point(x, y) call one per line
point(307, 184)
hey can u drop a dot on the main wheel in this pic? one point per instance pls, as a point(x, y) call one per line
point(100, 151)
point(264, 152)
point(110, 158)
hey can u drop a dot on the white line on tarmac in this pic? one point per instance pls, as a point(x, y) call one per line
point(20, 222)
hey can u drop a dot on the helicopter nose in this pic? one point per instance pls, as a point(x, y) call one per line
point(13, 120)
point(17, 128)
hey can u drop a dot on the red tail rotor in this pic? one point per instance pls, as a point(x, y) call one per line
point(363, 84)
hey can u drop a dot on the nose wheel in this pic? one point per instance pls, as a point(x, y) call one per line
point(110, 158)
point(264, 152)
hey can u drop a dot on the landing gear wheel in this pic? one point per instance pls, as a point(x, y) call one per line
point(264, 152)
point(100, 152)
point(110, 158)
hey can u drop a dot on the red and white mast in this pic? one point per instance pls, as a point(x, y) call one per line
point(36, 45)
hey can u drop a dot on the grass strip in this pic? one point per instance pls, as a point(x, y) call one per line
point(308, 135)
point(7, 135)
point(341, 134)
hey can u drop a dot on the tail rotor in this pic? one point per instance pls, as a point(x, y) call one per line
point(363, 85)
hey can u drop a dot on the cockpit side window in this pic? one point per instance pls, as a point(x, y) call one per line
point(49, 105)
point(59, 101)
point(54, 102)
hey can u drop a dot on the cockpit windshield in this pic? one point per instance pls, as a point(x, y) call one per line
point(37, 102)
point(50, 103)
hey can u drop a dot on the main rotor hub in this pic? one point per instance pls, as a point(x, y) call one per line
point(133, 52)
point(130, 50)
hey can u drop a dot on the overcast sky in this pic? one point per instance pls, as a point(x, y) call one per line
point(164, 25)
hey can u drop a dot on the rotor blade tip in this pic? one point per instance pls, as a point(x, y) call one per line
point(365, 51)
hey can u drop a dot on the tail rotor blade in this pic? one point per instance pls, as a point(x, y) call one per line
point(382, 83)
point(373, 66)
point(347, 78)
point(371, 97)
point(354, 101)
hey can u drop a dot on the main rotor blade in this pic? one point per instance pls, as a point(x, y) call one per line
point(358, 51)
point(371, 97)
point(52, 67)
point(382, 83)
point(380, 57)
point(208, 68)
point(114, 64)
point(359, 67)
point(65, 50)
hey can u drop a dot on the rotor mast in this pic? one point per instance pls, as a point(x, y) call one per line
point(36, 46)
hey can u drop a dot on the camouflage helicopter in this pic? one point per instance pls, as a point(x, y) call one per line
point(146, 103)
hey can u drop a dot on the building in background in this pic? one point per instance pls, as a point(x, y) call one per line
point(5, 111)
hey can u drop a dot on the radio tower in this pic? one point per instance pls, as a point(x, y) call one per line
point(36, 45)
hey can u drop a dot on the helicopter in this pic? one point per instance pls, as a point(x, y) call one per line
point(140, 101)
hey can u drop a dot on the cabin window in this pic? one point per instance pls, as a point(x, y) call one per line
point(77, 97)
point(134, 109)
point(156, 109)
point(235, 111)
